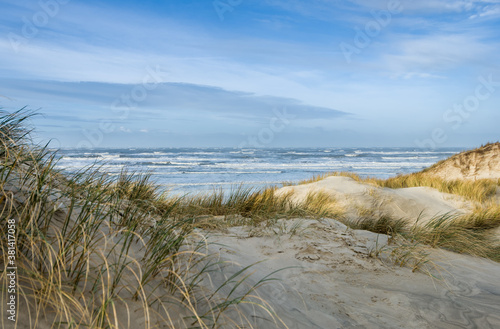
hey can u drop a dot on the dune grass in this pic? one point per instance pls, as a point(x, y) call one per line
point(467, 234)
point(254, 207)
point(97, 252)
point(475, 190)
point(462, 234)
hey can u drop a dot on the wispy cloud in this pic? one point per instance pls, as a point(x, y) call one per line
point(434, 55)
point(229, 75)
point(166, 98)
point(432, 6)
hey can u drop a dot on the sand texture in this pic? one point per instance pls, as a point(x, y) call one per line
point(422, 203)
point(330, 279)
point(480, 163)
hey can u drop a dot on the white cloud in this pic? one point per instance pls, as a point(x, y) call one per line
point(422, 75)
point(432, 56)
point(350, 10)
point(488, 12)
point(125, 130)
point(428, 6)
point(282, 70)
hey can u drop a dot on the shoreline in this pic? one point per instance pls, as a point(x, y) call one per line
point(191, 170)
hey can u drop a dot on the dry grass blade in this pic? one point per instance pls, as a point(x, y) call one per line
point(92, 248)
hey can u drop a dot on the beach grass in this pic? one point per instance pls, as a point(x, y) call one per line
point(480, 190)
point(93, 251)
point(248, 206)
point(466, 234)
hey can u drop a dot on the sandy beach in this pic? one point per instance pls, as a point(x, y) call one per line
point(329, 278)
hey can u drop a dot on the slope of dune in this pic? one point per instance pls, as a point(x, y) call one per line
point(412, 203)
point(480, 163)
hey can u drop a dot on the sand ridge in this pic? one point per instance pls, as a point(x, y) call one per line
point(480, 163)
point(411, 203)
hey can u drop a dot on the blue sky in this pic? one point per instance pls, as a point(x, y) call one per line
point(261, 73)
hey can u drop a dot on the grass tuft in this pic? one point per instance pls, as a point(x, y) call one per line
point(95, 251)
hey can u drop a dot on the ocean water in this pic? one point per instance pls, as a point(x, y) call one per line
point(191, 170)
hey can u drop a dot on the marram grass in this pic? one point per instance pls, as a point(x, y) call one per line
point(96, 252)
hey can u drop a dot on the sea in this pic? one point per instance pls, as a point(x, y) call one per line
point(182, 171)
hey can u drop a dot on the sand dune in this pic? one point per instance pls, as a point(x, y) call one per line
point(333, 277)
point(423, 203)
point(329, 280)
point(480, 163)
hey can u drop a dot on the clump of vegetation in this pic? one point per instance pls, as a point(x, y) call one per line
point(480, 190)
point(97, 252)
point(467, 234)
point(257, 205)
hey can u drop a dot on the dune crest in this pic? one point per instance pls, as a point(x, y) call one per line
point(410, 203)
point(480, 163)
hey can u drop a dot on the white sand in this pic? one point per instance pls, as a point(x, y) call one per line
point(334, 283)
point(480, 163)
point(409, 203)
point(333, 279)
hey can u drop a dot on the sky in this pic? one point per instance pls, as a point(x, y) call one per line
point(254, 73)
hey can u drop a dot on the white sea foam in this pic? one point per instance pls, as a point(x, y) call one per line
point(211, 167)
